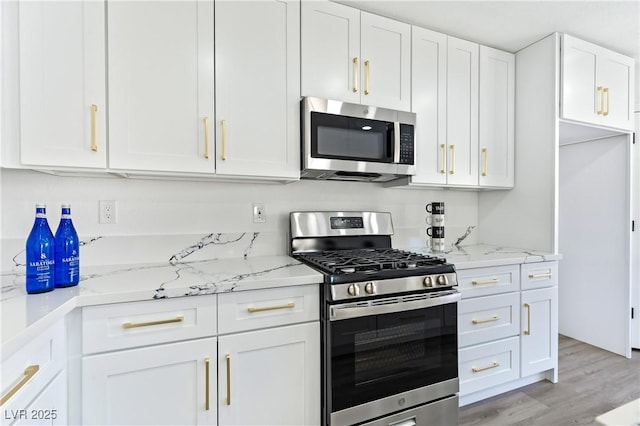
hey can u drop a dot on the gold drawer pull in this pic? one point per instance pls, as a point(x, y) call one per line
point(355, 75)
point(453, 159)
point(94, 136)
point(128, 325)
point(480, 321)
point(444, 158)
point(206, 381)
point(223, 156)
point(29, 372)
point(485, 161)
point(545, 275)
point(206, 138)
point(606, 90)
point(527, 332)
point(600, 91)
point(493, 365)
point(366, 77)
point(289, 305)
point(228, 358)
point(489, 281)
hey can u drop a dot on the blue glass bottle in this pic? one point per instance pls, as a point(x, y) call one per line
point(67, 251)
point(40, 252)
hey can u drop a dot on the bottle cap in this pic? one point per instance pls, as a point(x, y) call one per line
point(65, 206)
point(41, 206)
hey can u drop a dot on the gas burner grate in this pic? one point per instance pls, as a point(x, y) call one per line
point(368, 260)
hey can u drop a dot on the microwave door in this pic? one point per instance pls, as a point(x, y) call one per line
point(396, 142)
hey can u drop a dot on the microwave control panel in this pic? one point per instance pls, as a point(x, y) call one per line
point(407, 138)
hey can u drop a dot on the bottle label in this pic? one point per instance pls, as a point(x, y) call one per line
point(41, 215)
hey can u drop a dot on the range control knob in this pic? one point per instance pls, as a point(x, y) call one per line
point(442, 280)
point(370, 288)
point(353, 290)
point(428, 282)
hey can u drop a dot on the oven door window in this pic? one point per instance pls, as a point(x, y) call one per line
point(349, 138)
point(382, 355)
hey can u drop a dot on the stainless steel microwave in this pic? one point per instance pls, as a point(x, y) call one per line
point(344, 141)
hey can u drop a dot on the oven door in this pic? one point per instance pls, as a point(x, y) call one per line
point(390, 354)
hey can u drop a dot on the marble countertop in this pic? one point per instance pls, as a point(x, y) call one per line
point(24, 315)
point(483, 255)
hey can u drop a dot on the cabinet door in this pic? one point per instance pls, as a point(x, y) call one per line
point(497, 118)
point(385, 62)
point(539, 324)
point(62, 84)
point(258, 88)
point(50, 407)
point(580, 99)
point(330, 48)
point(462, 112)
point(429, 102)
point(270, 377)
point(161, 86)
point(166, 384)
point(615, 74)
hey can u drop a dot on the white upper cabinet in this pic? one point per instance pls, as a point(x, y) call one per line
point(462, 112)
point(597, 85)
point(62, 84)
point(429, 102)
point(355, 56)
point(161, 93)
point(258, 88)
point(497, 117)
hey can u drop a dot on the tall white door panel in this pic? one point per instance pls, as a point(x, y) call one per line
point(385, 62)
point(62, 84)
point(161, 93)
point(462, 112)
point(330, 40)
point(258, 88)
point(429, 102)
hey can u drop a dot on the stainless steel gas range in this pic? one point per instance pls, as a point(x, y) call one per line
point(388, 320)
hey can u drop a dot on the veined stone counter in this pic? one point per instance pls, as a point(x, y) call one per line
point(24, 315)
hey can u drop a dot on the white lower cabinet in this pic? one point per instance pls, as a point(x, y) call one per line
point(241, 358)
point(165, 384)
point(33, 384)
point(507, 328)
point(270, 377)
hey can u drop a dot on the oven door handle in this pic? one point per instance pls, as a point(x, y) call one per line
point(390, 305)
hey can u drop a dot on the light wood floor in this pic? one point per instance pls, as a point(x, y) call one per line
point(591, 382)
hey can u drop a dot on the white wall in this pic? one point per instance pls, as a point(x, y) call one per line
point(172, 209)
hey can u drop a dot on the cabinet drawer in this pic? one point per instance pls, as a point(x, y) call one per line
point(489, 364)
point(126, 325)
point(538, 275)
point(29, 370)
point(250, 310)
point(483, 319)
point(485, 281)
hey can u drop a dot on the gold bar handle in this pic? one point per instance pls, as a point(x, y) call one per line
point(485, 161)
point(443, 147)
point(493, 365)
point(128, 325)
point(528, 330)
point(355, 75)
point(545, 275)
point(453, 159)
point(366, 77)
point(289, 305)
point(206, 138)
point(224, 140)
point(606, 90)
point(94, 125)
point(489, 281)
point(481, 321)
point(228, 358)
point(601, 96)
point(206, 381)
point(29, 372)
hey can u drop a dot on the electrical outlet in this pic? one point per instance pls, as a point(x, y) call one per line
point(259, 213)
point(107, 211)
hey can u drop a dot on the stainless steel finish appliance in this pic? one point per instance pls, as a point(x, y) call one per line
point(388, 320)
point(343, 141)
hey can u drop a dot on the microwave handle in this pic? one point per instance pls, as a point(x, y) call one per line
point(396, 142)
